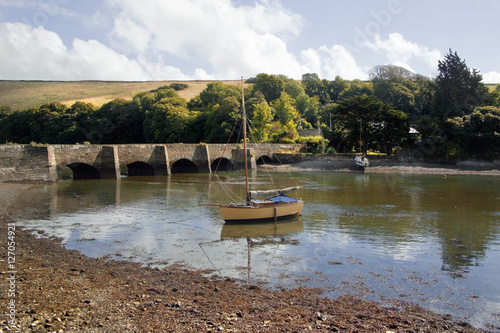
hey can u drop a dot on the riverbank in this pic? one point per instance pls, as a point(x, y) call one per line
point(64, 291)
point(385, 165)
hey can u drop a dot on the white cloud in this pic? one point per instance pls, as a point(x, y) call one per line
point(491, 77)
point(228, 40)
point(194, 39)
point(331, 62)
point(39, 54)
point(401, 52)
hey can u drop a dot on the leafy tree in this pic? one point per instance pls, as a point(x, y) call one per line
point(222, 120)
point(261, 121)
point(478, 134)
point(395, 85)
point(178, 86)
point(403, 90)
point(336, 88)
point(423, 97)
point(118, 121)
point(46, 123)
point(284, 109)
point(271, 86)
point(458, 88)
point(168, 122)
point(312, 84)
point(77, 123)
point(256, 98)
point(308, 108)
point(293, 88)
point(357, 88)
point(215, 93)
point(4, 111)
point(377, 121)
point(492, 98)
point(393, 128)
point(16, 127)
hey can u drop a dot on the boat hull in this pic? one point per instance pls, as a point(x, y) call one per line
point(361, 162)
point(256, 213)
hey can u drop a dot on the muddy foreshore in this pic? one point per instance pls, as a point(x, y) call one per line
point(59, 290)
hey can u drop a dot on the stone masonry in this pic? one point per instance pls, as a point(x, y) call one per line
point(28, 163)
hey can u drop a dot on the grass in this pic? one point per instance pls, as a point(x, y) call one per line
point(25, 94)
point(491, 86)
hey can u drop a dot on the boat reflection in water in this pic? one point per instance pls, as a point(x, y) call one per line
point(263, 234)
point(263, 230)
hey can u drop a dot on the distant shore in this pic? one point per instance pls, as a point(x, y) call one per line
point(384, 165)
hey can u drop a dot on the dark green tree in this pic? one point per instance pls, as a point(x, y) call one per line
point(369, 119)
point(46, 122)
point(119, 121)
point(357, 88)
point(215, 93)
point(221, 121)
point(312, 84)
point(169, 122)
point(4, 111)
point(478, 134)
point(16, 127)
point(77, 123)
point(271, 86)
point(336, 88)
point(458, 89)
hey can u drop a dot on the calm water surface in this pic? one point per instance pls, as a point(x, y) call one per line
point(430, 240)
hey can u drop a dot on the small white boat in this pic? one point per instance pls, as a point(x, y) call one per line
point(361, 161)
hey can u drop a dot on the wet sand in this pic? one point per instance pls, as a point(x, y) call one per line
point(59, 290)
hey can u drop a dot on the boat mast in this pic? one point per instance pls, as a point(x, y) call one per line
point(361, 136)
point(245, 141)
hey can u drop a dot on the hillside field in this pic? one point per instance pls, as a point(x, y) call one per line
point(25, 94)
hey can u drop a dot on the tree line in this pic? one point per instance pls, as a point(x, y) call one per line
point(453, 116)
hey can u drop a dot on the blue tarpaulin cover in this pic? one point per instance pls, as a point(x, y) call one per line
point(282, 198)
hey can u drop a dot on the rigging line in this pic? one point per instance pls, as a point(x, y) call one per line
point(227, 190)
point(219, 162)
point(206, 255)
point(181, 222)
point(258, 147)
point(287, 171)
point(279, 161)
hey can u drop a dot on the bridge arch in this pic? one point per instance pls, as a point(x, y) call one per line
point(184, 166)
point(264, 159)
point(84, 171)
point(221, 164)
point(140, 168)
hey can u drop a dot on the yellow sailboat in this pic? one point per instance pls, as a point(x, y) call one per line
point(275, 205)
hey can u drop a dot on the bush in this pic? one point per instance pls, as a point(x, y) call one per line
point(314, 144)
point(178, 86)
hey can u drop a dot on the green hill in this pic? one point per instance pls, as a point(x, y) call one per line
point(24, 94)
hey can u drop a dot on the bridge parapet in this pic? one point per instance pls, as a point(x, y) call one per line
point(41, 163)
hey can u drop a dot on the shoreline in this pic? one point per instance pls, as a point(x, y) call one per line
point(384, 165)
point(60, 290)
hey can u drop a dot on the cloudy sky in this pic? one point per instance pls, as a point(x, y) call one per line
point(225, 39)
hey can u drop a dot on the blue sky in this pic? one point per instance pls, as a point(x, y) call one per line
point(225, 39)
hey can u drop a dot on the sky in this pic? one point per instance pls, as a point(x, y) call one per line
point(130, 40)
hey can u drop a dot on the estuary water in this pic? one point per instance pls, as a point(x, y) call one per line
point(427, 239)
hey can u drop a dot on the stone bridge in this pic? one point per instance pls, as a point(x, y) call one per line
point(43, 163)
